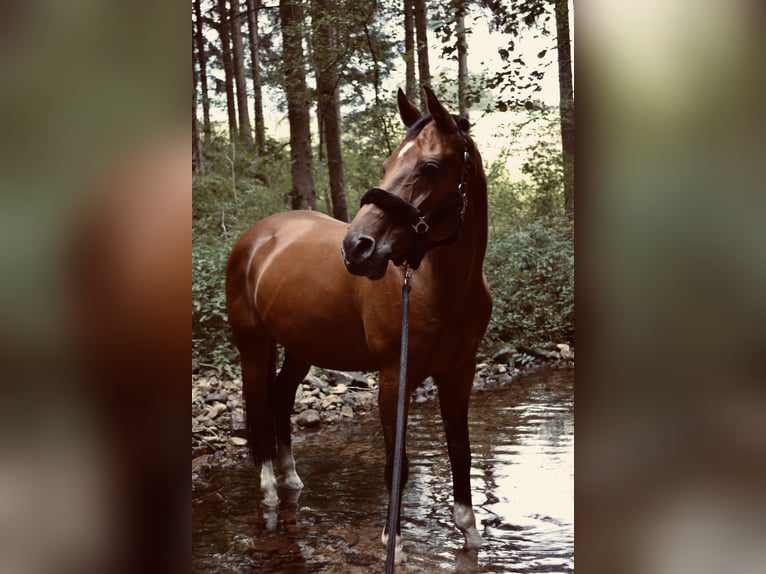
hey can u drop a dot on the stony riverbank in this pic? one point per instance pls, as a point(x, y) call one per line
point(327, 398)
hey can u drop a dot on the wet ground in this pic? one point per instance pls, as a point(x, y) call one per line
point(522, 481)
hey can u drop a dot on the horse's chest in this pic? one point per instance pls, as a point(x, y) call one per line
point(436, 339)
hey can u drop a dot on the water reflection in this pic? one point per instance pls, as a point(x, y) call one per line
point(522, 480)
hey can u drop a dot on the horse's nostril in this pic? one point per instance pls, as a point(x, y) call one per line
point(363, 247)
point(358, 249)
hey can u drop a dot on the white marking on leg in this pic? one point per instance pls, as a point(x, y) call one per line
point(269, 484)
point(287, 466)
point(399, 555)
point(465, 520)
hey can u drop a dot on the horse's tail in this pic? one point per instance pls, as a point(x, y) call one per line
point(258, 377)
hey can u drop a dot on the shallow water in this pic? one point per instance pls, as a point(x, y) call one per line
point(522, 481)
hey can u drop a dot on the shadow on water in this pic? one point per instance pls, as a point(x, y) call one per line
point(522, 480)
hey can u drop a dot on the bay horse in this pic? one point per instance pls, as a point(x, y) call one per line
point(329, 293)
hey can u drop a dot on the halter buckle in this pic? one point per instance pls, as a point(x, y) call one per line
point(421, 222)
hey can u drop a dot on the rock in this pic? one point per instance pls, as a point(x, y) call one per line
point(238, 425)
point(308, 418)
point(501, 369)
point(310, 402)
point(352, 380)
point(313, 381)
point(565, 351)
point(238, 441)
point(331, 416)
point(216, 410)
point(220, 397)
point(347, 412)
point(331, 402)
point(339, 389)
point(504, 354)
point(349, 536)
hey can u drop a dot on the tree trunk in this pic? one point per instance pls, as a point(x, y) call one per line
point(253, 8)
point(409, 50)
point(202, 61)
point(421, 31)
point(328, 107)
point(303, 195)
point(231, 104)
point(462, 59)
point(566, 103)
point(238, 53)
point(196, 152)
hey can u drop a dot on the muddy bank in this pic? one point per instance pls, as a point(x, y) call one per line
point(326, 398)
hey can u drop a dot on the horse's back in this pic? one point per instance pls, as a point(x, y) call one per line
point(286, 276)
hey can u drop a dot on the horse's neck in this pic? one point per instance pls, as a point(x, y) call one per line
point(459, 265)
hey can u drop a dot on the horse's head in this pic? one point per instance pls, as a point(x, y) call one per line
point(421, 200)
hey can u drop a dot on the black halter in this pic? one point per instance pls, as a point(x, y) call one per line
point(421, 223)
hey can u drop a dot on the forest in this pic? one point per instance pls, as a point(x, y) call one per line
point(294, 107)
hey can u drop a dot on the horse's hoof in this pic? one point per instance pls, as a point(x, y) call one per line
point(399, 555)
point(473, 540)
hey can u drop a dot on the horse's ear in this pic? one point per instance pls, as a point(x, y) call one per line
point(440, 115)
point(407, 110)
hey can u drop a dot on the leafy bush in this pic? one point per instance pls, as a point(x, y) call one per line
point(238, 188)
point(210, 331)
point(531, 276)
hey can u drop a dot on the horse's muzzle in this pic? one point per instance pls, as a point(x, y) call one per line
point(362, 255)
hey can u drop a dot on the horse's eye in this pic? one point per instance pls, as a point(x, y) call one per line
point(430, 168)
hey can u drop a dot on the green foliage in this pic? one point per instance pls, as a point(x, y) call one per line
point(238, 188)
point(531, 276)
point(210, 333)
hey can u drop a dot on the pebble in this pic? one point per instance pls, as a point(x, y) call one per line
point(217, 397)
point(216, 410)
point(308, 418)
point(238, 441)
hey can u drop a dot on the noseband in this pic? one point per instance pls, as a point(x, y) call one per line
point(420, 222)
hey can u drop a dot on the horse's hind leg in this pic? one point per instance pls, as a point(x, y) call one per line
point(258, 358)
point(454, 393)
point(290, 376)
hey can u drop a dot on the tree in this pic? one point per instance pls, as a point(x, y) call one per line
point(537, 13)
point(201, 56)
point(196, 152)
point(462, 58)
point(326, 67)
point(253, 8)
point(421, 31)
point(409, 49)
point(566, 102)
point(302, 194)
point(450, 29)
point(238, 61)
point(223, 32)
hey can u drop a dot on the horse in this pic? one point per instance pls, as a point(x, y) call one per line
point(329, 293)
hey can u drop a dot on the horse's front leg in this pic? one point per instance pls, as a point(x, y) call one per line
point(454, 393)
point(387, 400)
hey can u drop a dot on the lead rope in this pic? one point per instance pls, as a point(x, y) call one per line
point(394, 501)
